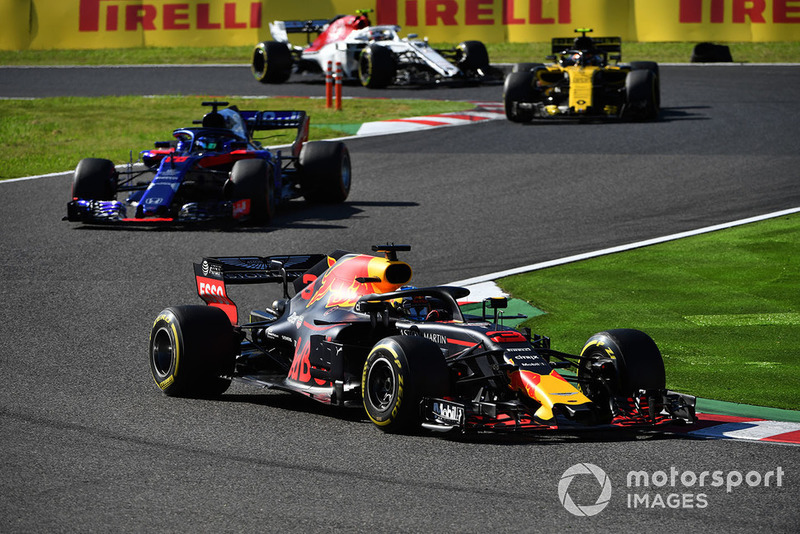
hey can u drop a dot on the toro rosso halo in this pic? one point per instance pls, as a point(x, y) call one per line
point(214, 171)
point(355, 335)
point(374, 55)
point(581, 84)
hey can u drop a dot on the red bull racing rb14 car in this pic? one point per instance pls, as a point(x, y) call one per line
point(215, 170)
point(356, 335)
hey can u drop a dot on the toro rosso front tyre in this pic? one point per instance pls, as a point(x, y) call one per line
point(398, 374)
point(192, 351)
point(272, 62)
point(95, 179)
point(253, 191)
point(325, 172)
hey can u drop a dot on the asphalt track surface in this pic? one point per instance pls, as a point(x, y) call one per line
point(90, 444)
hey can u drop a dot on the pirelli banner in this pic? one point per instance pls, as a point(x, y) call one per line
point(53, 24)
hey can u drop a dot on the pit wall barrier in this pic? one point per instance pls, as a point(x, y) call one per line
point(86, 24)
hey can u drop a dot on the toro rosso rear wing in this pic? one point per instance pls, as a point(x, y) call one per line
point(213, 275)
point(279, 120)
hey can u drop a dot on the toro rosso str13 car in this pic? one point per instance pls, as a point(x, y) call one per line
point(581, 83)
point(374, 55)
point(213, 171)
point(355, 335)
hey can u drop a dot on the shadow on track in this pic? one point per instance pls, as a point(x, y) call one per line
point(281, 400)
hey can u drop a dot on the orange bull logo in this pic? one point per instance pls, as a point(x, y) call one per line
point(341, 287)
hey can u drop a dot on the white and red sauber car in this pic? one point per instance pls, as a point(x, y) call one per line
point(375, 55)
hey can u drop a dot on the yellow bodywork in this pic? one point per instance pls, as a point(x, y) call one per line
point(580, 87)
point(548, 390)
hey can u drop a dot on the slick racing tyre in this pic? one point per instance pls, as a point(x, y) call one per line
point(399, 373)
point(190, 348)
point(95, 179)
point(625, 360)
point(272, 62)
point(251, 180)
point(642, 90)
point(645, 65)
point(518, 88)
point(471, 56)
point(652, 66)
point(325, 172)
point(376, 66)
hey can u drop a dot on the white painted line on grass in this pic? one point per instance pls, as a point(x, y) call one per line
point(621, 248)
point(36, 177)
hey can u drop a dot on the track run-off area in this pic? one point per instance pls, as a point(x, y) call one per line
point(90, 444)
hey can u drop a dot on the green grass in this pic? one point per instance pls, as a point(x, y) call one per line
point(786, 52)
point(52, 134)
point(723, 308)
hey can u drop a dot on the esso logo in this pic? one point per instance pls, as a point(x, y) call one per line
point(215, 290)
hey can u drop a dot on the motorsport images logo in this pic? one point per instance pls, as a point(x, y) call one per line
point(661, 489)
point(601, 478)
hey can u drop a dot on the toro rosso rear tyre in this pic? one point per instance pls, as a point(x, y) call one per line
point(471, 56)
point(95, 179)
point(399, 373)
point(642, 91)
point(272, 62)
point(191, 349)
point(376, 66)
point(518, 88)
point(252, 183)
point(624, 360)
point(325, 172)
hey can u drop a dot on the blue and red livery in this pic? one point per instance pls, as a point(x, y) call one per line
point(213, 171)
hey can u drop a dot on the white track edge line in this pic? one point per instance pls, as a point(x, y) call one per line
point(621, 248)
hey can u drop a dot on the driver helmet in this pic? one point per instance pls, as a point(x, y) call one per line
point(423, 308)
point(379, 35)
point(592, 59)
point(416, 308)
point(573, 57)
point(207, 143)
